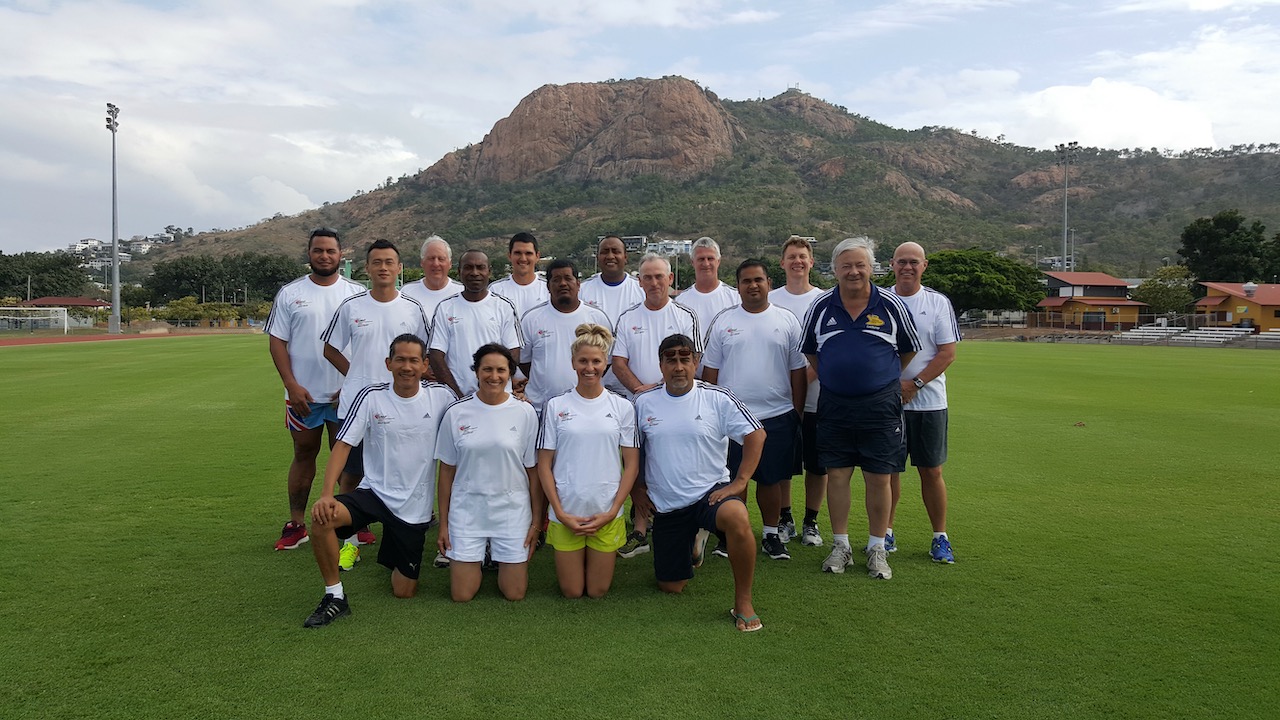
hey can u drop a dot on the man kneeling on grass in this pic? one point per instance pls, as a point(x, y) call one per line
point(687, 425)
point(397, 422)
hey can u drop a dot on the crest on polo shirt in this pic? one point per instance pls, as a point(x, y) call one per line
point(874, 320)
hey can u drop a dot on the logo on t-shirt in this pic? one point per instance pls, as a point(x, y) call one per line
point(452, 319)
point(426, 416)
point(544, 333)
point(732, 331)
point(874, 320)
point(592, 303)
point(361, 322)
point(565, 415)
point(652, 421)
point(381, 419)
point(831, 322)
point(466, 429)
point(301, 303)
point(637, 330)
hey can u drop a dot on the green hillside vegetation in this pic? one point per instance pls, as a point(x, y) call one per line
point(791, 173)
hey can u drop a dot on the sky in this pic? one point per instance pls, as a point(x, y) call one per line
point(234, 110)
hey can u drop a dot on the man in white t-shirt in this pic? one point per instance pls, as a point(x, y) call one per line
point(548, 332)
point(635, 353)
point(356, 340)
point(522, 287)
point(611, 290)
point(468, 320)
point(298, 315)
point(707, 296)
point(397, 422)
point(687, 425)
point(924, 394)
point(435, 285)
point(798, 296)
point(753, 349)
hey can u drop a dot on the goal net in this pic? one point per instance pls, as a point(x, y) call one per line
point(49, 320)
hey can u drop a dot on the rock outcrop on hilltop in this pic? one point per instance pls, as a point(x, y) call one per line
point(599, 131)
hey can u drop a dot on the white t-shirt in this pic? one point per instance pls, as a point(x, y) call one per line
point(586, 435)
point(431, 298)
point(399, 436)
point(460, 327)
point(298, 316)
point(524, 297)
point(363, 328)
point(936, 325)
point(491, 446)
point(755, 354)
point(707, 305)
point(640, 331)
point(686, 440)
point(799, 306)
point(611, 299)
point(548, 339)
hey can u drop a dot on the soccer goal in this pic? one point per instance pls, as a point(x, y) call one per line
point(33, 319)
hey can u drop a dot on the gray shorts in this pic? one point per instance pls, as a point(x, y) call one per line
point(927, 437)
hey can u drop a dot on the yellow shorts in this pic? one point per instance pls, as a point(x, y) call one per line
point(607, 539)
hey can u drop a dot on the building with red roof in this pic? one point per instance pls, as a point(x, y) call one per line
point(1241, 304)
point(1089, 301)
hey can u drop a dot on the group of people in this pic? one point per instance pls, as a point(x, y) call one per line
point(524, 409)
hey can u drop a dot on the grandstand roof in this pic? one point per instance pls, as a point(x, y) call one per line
point(1087, 278)
point(1268, 294)
point(56, 301)
point(1053, 302)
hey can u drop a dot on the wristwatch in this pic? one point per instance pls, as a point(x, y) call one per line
point(917, 382)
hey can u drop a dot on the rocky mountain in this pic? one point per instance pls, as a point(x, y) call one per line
point(667, 157)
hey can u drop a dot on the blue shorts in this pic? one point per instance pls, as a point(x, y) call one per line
point(781, 435)
point(321, 413)
point(863, 431)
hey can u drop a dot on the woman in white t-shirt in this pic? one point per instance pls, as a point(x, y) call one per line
point(489, 492)
point(588, 457)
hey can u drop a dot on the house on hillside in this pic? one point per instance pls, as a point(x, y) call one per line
point(1240, 305)
point(1088, 301)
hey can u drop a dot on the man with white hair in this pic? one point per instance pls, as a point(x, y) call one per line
point(436, 285)
point(924, 390)
point(635, 353)
point(860, 339)
point(707, 296)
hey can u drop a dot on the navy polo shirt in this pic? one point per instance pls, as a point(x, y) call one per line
point(858, 356)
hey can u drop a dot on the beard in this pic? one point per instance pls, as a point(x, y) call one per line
point(325, 273)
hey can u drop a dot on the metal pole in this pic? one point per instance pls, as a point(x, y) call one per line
point(1066, 154)
point(113, 325)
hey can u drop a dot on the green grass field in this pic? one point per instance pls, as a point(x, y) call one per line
point(1112, 511)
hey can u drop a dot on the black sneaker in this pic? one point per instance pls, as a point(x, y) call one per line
point(722, 547)
point(542, 539)
point(329, 609)
point(488, 563)
point(773, 547)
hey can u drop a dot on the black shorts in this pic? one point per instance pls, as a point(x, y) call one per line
point(927, 437)
point(355, 461)
point(673, 534)
point(863, 431)
point(402, 542)
point(782, 433)
point(806, 452)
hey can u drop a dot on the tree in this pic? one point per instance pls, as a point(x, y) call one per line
point(1168, 290)
point(182, 310)
point(1224, 248)
point(982, 280)
point(54, 273)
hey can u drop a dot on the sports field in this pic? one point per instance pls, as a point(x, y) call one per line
point(1114, 511)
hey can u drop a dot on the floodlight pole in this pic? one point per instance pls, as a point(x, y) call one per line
point(113, 325)
point(1067, 154)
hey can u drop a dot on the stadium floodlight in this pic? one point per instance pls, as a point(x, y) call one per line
point(1067, 154)
point(113, 325)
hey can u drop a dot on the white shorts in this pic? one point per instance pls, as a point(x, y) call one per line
point(503, 550)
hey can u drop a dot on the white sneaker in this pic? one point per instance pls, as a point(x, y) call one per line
point(441, 561)
point(700, 547)
point(786, 531)
point(840, 558)
point(878, 564)
point(810, 537)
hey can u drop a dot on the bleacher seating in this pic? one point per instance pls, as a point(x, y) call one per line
point(1210, 337)
point(1147, 335)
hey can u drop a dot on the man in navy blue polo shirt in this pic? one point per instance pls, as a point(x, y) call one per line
point(860, 339)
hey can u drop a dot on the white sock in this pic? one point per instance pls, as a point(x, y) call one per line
point(769, 530)
point(335, 591)
point(841, 539)
point(939, 535)
point(888, 532)
point(874, 542)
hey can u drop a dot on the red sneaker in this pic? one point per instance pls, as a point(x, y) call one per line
point(365, 536)
point(293, 535)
